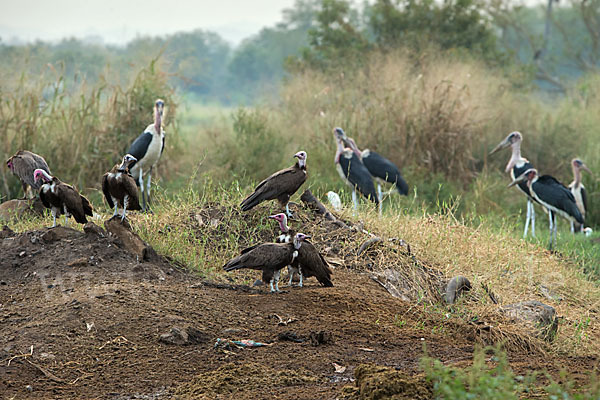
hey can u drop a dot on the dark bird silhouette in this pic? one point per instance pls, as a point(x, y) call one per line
point(147, 149)
point(23, 164)
point(269, 258)
point(578, 191)
point(515, 167)
point(553, 195)
point(380, 168)
point(61, 198)
point(352, 171)
point(281, 185)
point(119, 187)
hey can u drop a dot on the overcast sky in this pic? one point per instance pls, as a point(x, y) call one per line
point(118, 21)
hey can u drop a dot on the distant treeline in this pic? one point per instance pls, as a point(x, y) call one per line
point(536, 45)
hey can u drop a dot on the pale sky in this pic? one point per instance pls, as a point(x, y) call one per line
point(118, 21)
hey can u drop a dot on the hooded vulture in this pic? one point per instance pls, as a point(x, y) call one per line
point(62, 198)
point(23, 164)
point(269, 258)
point(281, 185)
point(119, 187)
point(147, 149)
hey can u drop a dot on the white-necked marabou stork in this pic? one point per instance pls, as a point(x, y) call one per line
point(380, 168)
point(578, 190)
point(553, 195)
point(23, 165)
point(147, 149)
point(281, 185)
point(516, 166)
point(61, 198)
point(269, 258)
point(352, 171)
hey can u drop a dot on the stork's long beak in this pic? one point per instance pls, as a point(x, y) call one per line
point(517, 180)
point(586, 169)
point(339, 134)
point(502, 145)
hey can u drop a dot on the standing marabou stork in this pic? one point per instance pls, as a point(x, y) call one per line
point(119, 187)
point(269, 258)
point(380, 168)
point(281, 185)
point(23, 165)
point(61, 198)
point(309, 262)
point(553, 195)
point(147, 149)
point(578, 191)
point(352, 171)
point(516, 166)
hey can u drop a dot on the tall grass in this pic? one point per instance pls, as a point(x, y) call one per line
point(81, 130)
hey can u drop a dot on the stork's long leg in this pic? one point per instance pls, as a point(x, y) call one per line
point(125, 202)
point(552, 230)
point(354, 200)
point(141, 183)
point(149, 181)
point(379, 194)
point(572, 227)
point(532, 218)
point(527, 218)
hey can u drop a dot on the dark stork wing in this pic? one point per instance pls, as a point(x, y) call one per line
point(129, 185)
point(313, 263)
point(139, 147)
point(383, 168)
point(286, 181)
point(25, 163)
point(106, 190)
point(551, 191)
point(358, 175)
point(584, 198)
point(73, 202)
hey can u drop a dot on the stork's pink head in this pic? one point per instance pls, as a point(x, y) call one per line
point(41, 174)
point(513, 139)
point(580, 165)
point(528, 176)
point(159, 106)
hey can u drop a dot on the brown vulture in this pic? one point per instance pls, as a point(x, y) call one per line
point(62, 198)
point(268, 257)
point(309, 261)
point(23, 164)
point(281, 185)
point(119, 187)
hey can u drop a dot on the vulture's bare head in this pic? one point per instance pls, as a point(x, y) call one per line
point(9, 164)
point(41, 174)
point(301, 156)
point(282, 219)
point(299, 238)
point(513, 139)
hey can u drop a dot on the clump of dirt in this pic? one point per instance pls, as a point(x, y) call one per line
point(375, 383)
point(232, 378)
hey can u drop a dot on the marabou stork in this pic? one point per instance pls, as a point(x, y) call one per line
point(61, 198)
point(353, 171)
point(269, 258)
point(147, 149)
point(553, 195)
point(516, 166)
point(119, 187)
point(380, 168)
point(578, 190)
point(281, 185)
point(309, 262)
point(23, 164)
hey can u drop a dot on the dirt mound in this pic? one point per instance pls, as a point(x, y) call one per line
point(377, 383)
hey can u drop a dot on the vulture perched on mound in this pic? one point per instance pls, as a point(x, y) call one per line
point(23, 164)
point(62, 198)
point(352, 170)
point(309, 261)
point(119, 187)
point(147, 149)
point(268, 257)
point(281, 185)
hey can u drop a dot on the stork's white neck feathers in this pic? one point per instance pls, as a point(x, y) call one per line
point(515, 158)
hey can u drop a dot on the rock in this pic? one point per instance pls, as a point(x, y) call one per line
point(131, 241)
point(15, 209)
point(6, 232)
point(78, 262)
point(92, 229)
point(258, 282)
point(322, 337)
point(457, 286)
point(289, 336)
point(540, 317)
point(183, 335)
point(58, 233)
